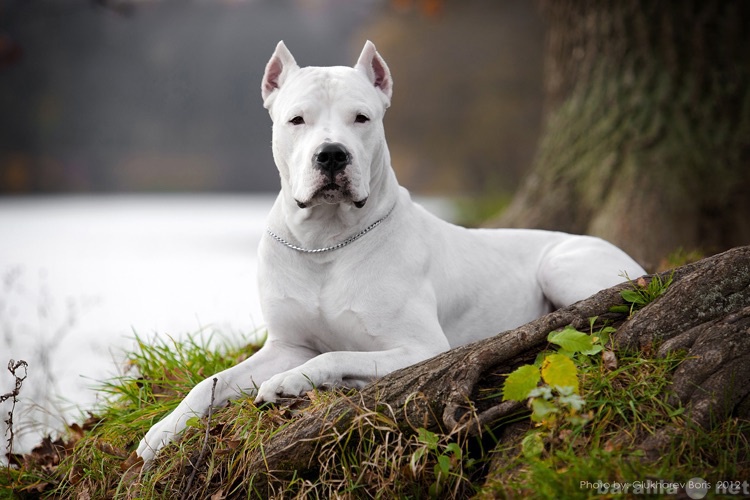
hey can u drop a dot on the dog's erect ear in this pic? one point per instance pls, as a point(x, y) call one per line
point(278, 69)
point(376, 70)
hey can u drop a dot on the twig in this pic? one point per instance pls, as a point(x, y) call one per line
point(13, 395)
point(474, 426)
point(204, 448)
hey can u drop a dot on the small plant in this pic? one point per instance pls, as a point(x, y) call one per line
point(14, 368)
point(643, 292)
point(557, 401)
point(448, 457)
point(557, 370)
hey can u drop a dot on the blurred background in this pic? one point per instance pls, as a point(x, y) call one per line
point(162, 96)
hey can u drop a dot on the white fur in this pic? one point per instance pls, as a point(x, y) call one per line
point(411, 288)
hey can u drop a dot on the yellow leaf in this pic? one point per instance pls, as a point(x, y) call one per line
point(559, 370)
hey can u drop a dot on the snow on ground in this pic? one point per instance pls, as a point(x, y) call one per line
point(80, 275)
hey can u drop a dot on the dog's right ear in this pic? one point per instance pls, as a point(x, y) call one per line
point(278, 69)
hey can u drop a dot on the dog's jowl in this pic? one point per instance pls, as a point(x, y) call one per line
point(356, 280)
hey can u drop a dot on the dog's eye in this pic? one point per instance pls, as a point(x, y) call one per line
point(297, 120)
point(360, 118)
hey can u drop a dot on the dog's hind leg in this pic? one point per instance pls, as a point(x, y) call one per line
point(580, 266)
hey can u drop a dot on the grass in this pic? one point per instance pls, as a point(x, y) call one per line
point(160, 374)
point(375, 456)
point(626, 405)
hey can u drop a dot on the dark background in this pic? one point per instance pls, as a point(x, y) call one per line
point(147, 95)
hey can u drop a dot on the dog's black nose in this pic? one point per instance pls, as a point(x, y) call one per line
point(331, 157)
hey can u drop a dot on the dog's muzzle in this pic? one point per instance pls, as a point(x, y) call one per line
point(331, 158)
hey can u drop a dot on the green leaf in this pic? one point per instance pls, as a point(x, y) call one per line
point(619, 309)
point(604, 334)
point(532, 445)
point(676, 412)
point(574, 401)
point(519, 383)
point(455, 449)
point(193, 422)
point(564, 391)
point(430, 439)
point(415, 458)
point(594, 350)
point(592, 320)
point(542, 391)
point(571, 340)
point(434, 490)
point(559, 370)
point(444, 462)
point(540, 357)
point(541, 408)
point(632, 296)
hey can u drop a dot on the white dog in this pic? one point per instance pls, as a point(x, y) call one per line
point(356, 280)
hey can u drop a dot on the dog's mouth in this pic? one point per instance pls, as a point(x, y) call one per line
point(331, 194)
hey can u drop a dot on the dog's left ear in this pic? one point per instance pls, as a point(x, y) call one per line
point(376, 70)
point(279, 67)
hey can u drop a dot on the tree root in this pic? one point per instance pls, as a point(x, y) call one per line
point(706, 310)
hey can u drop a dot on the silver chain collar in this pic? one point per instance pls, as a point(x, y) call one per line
point(344, 243)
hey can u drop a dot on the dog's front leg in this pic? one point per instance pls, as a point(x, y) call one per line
point(243, 378)
point(343, 368)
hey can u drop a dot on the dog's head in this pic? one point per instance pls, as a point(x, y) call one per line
point(328, 134)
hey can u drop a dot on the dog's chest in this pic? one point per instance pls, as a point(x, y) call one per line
point(321, 306)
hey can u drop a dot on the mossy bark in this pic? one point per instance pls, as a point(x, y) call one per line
point(647, 140)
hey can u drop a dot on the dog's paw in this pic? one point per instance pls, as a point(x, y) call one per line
point(155, 439)
point(161, 434)
point(290, 383)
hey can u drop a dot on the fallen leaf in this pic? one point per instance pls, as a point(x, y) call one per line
point(233, 444)
point(610, 360)
point(91, 422)
point(133, 461)
point(111, 450)
point(131, 468)
point(76, 432)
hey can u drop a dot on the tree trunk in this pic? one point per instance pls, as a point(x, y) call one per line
point(647, 139)
point(706, 311)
